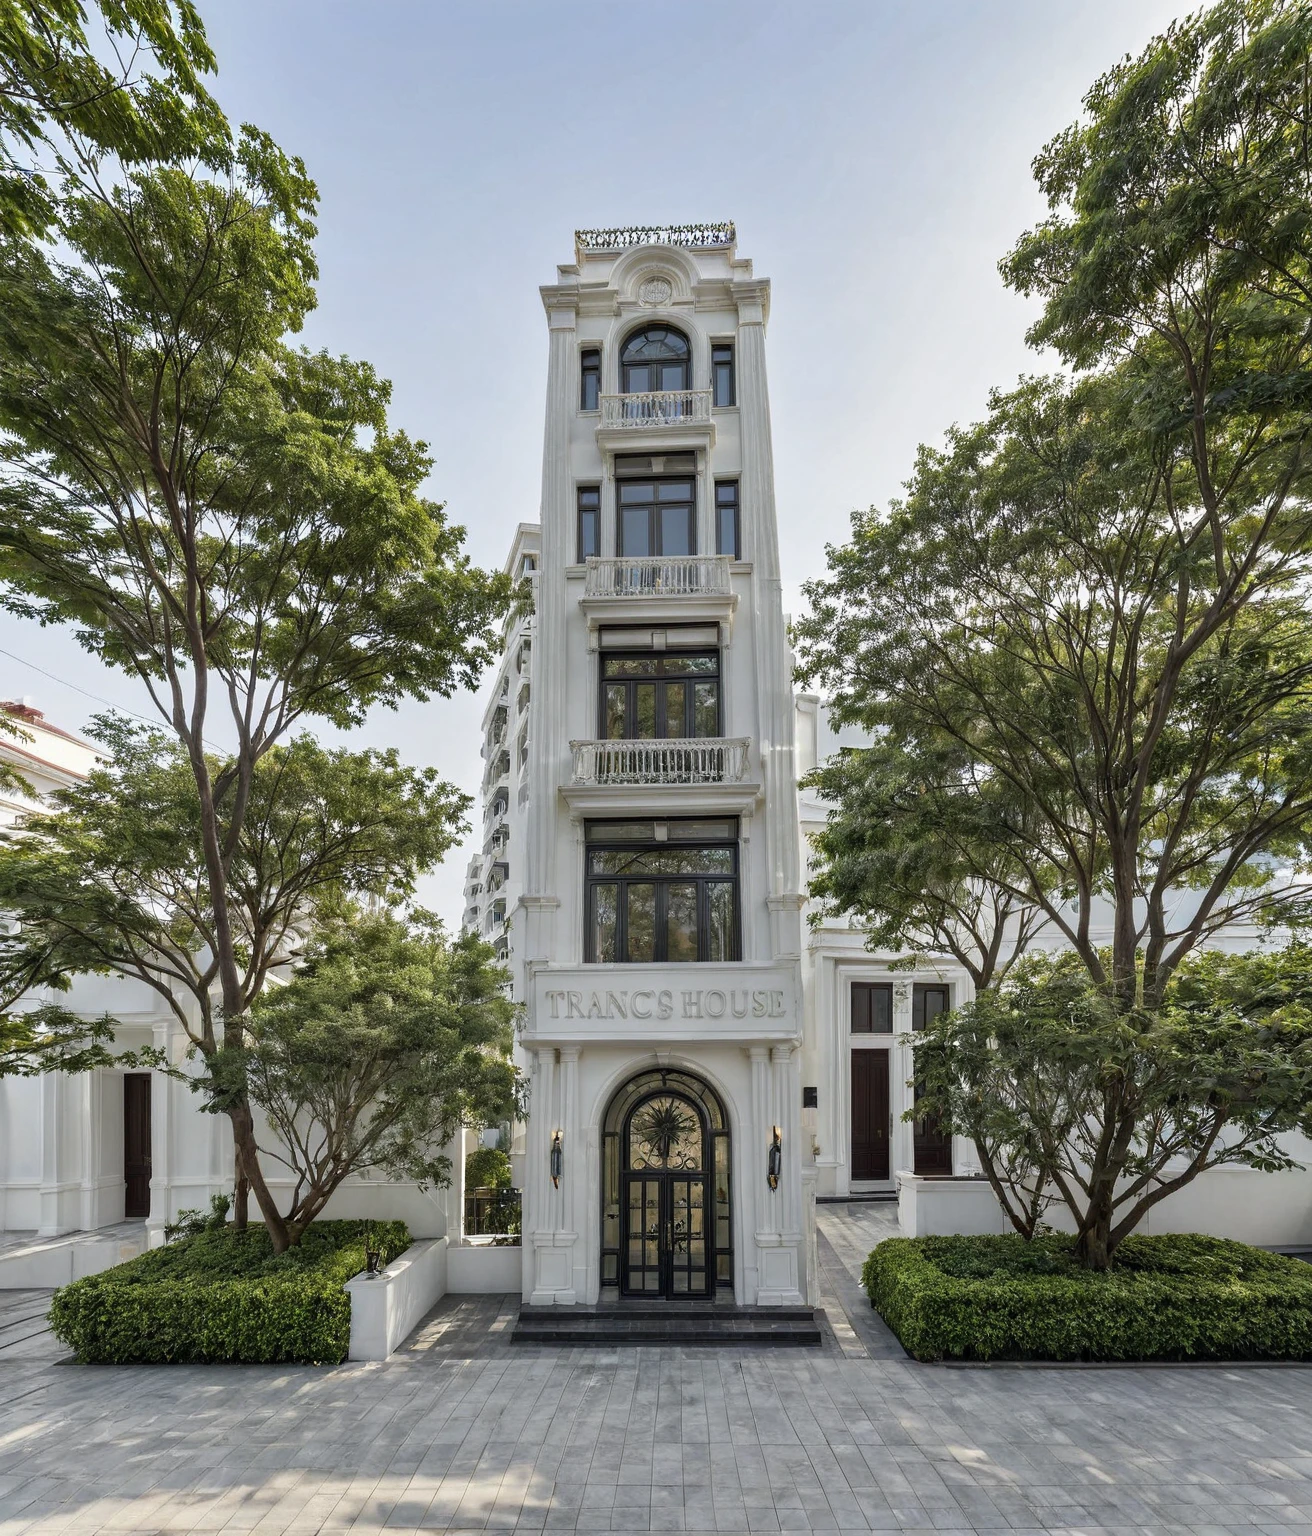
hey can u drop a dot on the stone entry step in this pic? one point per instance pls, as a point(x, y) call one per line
point(668, 1323)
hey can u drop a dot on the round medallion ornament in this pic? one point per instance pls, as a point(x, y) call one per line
point(655, 291)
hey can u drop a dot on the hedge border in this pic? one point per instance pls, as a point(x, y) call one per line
point(288, 1314)
point(1151, 1307)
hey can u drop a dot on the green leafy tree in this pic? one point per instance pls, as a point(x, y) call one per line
point(909, 847)
point(1212, 1077)
point(487, 1168)
point(113, 877)
point(379, 1047)
point(124, 85)
point(1094, 602)
point(232, 521)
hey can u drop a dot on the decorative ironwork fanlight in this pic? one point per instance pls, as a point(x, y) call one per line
point(775, 1161)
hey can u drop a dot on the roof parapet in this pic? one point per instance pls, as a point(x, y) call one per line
point(690, 236)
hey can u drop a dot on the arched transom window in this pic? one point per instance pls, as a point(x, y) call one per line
point(657, 358)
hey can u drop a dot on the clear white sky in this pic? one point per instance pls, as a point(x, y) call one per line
point(874, 154)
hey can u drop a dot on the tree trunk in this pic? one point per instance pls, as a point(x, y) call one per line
point(243, 1136)
point(241, 1191)
point(1094, 1248)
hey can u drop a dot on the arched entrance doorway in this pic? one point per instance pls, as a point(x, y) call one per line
point(665, 1213)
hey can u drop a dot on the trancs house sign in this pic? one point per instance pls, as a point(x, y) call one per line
point(686, 1004)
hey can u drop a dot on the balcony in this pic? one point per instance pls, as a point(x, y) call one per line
point(651, 587)
point(659, 575)
point(664, 418)
point(676, 775)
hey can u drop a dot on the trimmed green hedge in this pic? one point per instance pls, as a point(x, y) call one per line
point(224, 1296)
point(1176, 1297)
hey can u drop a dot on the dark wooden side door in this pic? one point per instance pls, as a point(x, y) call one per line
point(136, 1143)
point(870, 1115)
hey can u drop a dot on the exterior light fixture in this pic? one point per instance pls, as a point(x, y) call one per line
point(557, 1160)
point(776, 1159)
point(371, 1253)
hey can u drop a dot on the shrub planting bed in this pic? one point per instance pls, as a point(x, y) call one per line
point(224, 1296)
point(1176, 1297)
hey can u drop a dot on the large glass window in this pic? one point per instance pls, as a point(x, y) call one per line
point(654, 359)
point(652, 694)
point(656, 517)
point(662, 891)
point(589, 379)
point(727, 540)
point(722, 380)
point(589, 521)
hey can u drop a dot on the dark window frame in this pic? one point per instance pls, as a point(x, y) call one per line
point(643, 330)
point(733, 503)
point(581, 544)
point(598, 843)
point(661, 678)
point(653, 518)
point(590, 379)
point(724, 374)
point(862, 1015)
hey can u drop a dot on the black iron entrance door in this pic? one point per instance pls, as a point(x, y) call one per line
point(664, 1242)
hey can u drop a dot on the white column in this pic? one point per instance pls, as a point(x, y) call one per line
point(758, 1148)
point(787, 1116)
point(576, 1162)
point(55, 1129)
point(705, 489)
point(774, 694)
point(548, 727)
point(607, 536)
point(92, 1086)
point(161, 1141)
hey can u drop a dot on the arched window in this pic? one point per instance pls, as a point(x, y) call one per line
point(657, 358)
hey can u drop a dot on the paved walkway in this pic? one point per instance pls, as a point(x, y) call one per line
point(463, 1432)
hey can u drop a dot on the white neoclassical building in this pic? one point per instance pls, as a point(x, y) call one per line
point(704, 1063)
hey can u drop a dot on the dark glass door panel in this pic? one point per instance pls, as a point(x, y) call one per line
point(665, 1247)
point(643, 1266)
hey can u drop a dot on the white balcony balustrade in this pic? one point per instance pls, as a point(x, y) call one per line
point(657, 408)
point(702, 760)
point(658, 576)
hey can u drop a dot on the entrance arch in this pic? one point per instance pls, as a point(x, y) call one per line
point(666, 1227)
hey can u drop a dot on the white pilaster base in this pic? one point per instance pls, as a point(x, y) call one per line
point(780, 1263)
point(553, 1269)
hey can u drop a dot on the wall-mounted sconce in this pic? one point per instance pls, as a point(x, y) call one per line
point(775, 1161)
point(557, 1160)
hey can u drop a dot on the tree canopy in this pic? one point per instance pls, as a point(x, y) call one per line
point(232, 520)
point(1082, 641)
point(128, 86)
point(379, 1047)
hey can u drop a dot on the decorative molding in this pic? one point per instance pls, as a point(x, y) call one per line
point(655, 291)
point(690, 236)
